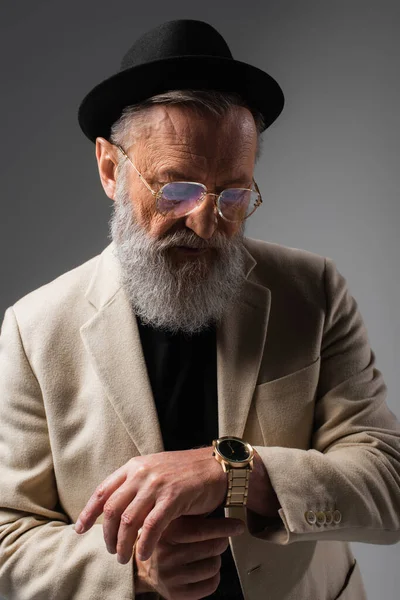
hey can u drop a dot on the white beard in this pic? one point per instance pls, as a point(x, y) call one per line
point(179, 296)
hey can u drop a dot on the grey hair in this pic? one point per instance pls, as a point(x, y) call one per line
point(217, 103)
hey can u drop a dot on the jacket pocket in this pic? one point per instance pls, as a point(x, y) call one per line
point(353, 588)
point(285, 407)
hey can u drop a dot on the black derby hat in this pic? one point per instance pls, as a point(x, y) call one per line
point(177, 55)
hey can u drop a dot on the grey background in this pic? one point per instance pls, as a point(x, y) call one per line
point(329, 172)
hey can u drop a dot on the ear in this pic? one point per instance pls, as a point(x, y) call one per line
point(107, 162)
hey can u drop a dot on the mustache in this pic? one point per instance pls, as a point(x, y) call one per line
point(191, 240)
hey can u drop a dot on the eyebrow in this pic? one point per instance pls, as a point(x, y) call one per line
point(180, 176)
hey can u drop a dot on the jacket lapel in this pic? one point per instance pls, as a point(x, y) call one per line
point(112, 340)
point(240, 346)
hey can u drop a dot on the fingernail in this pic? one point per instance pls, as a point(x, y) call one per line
point(122, 559)
point(78, 527)
point(142, 556)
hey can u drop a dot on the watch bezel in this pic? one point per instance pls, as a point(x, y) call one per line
point(237, 464)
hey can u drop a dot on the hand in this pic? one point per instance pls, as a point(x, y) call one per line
point(150, 491)
point(186, 562)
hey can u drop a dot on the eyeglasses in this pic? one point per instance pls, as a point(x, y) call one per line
point(180, 198)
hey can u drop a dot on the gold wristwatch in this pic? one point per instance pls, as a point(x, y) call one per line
point(236, 458)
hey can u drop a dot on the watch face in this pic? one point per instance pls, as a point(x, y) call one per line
point(234, 450)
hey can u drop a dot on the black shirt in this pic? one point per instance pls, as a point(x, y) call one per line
point(183, 374)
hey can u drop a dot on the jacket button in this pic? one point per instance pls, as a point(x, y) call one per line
point(310, 517)
point(329, 517)
point(321, 518)
point(337, 517)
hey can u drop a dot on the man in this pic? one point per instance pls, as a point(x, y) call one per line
point(188, 369)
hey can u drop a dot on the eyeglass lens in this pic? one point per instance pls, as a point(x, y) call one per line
point(179, 198)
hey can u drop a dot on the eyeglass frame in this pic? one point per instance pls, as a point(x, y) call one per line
point(157, 194)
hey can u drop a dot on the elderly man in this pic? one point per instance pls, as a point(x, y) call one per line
point(202, 405)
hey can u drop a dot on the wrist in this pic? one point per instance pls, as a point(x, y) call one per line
point(216, 472)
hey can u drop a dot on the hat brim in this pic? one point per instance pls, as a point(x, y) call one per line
point(104, 104)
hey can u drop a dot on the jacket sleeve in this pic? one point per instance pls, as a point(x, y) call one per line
point(347, 485)
point(41, 556)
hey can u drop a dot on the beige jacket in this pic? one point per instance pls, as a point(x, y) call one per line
point(296, 378)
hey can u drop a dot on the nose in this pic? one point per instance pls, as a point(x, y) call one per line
point(204, 220)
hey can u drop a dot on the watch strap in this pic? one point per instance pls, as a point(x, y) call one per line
point(238, 485)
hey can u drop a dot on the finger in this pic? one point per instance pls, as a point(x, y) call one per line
point(197, 571)
point(153, 526)
point(173, 557)
point(95, 504)
point(131, 521)
point(188, 529)
point(201, 589)
point(116, 508)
